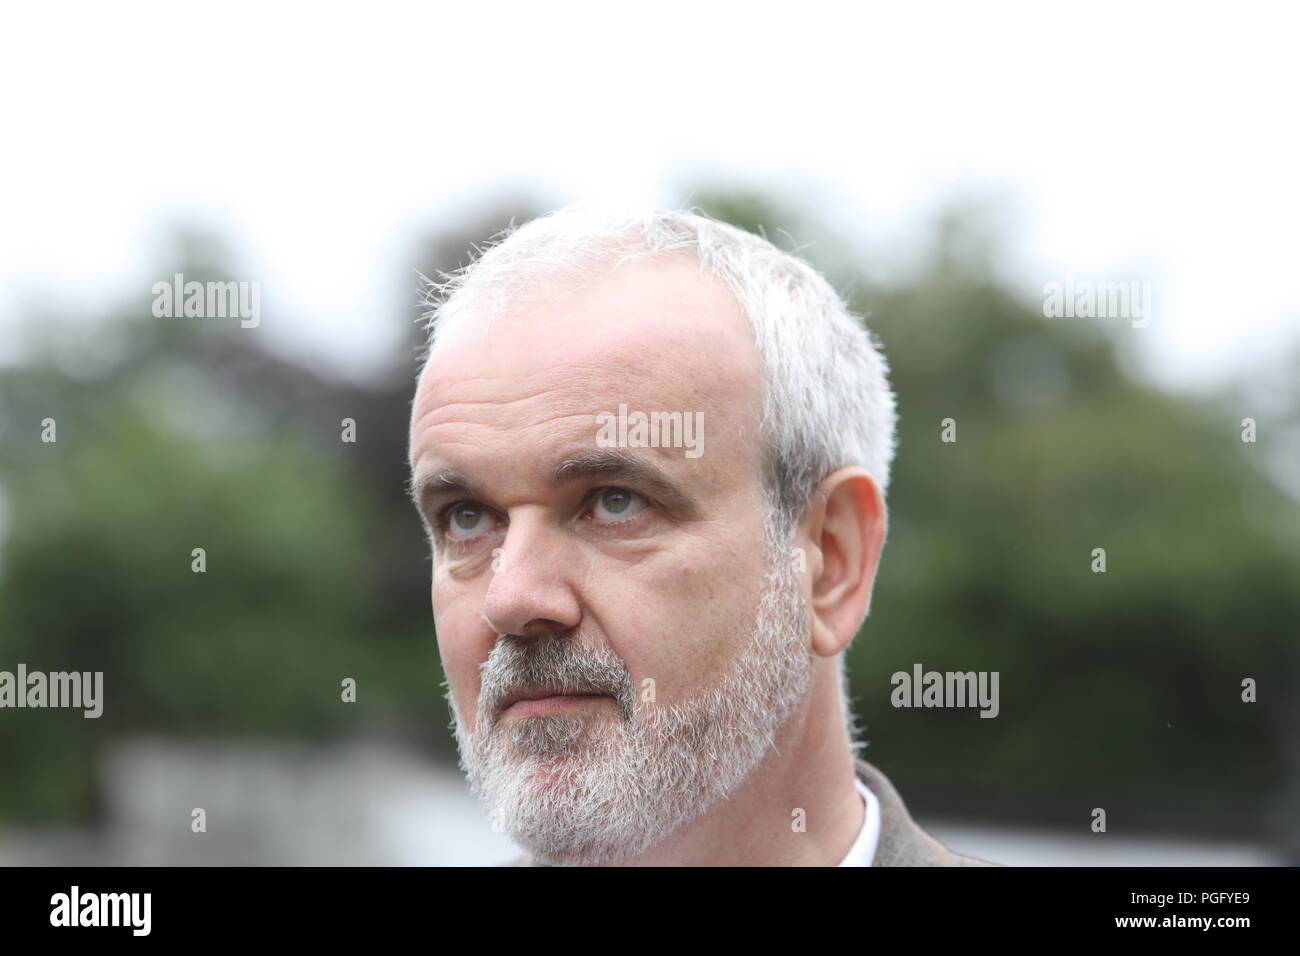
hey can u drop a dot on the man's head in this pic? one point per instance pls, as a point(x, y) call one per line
point(702, 601)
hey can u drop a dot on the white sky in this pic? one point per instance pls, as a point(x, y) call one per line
point(1129, 142)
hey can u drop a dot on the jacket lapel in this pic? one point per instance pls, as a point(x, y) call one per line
point(902, 842)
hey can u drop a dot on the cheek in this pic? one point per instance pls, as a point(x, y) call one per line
point(684, 625)
point(462, 647)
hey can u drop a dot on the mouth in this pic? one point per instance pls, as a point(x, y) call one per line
point(543, 700)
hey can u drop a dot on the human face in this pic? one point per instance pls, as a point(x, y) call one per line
point(634, 576)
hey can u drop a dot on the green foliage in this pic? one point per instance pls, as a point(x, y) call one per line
point(153, 459)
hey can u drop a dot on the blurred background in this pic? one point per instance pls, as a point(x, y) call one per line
point(943, 165)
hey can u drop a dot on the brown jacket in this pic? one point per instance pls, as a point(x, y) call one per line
point(901, 843)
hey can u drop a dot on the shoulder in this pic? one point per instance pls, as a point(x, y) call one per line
point(902, 842)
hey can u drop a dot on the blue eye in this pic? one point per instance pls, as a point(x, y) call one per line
point(618, 504)
point(465, 520)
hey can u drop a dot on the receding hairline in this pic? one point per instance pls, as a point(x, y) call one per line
point(737, 381)
point(479, 305)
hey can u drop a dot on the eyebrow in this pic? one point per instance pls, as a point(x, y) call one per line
point(609, 464)
point(444, 481)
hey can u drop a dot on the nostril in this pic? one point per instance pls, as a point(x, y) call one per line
point(541, 627)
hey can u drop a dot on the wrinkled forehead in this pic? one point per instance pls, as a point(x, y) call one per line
point(655, 335)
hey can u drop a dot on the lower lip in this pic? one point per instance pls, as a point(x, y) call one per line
point(550, 705)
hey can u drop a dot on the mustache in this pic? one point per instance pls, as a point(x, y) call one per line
point(553, 661)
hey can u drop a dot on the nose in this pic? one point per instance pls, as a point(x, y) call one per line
point(531, 590)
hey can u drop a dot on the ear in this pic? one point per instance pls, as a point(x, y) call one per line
point(845, 527)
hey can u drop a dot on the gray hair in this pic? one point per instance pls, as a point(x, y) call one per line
point(827, 403)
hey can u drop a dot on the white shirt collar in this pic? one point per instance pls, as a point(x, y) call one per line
point(863, 851)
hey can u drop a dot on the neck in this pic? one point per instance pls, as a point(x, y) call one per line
point(809, 769)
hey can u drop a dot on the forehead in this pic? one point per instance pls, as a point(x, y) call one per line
point(656, 335)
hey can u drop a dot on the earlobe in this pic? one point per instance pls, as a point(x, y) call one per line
point(825, 643)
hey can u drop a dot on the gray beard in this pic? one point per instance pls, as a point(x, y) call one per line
point(592, 788)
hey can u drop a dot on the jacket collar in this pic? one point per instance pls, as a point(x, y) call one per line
point(902, 842)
